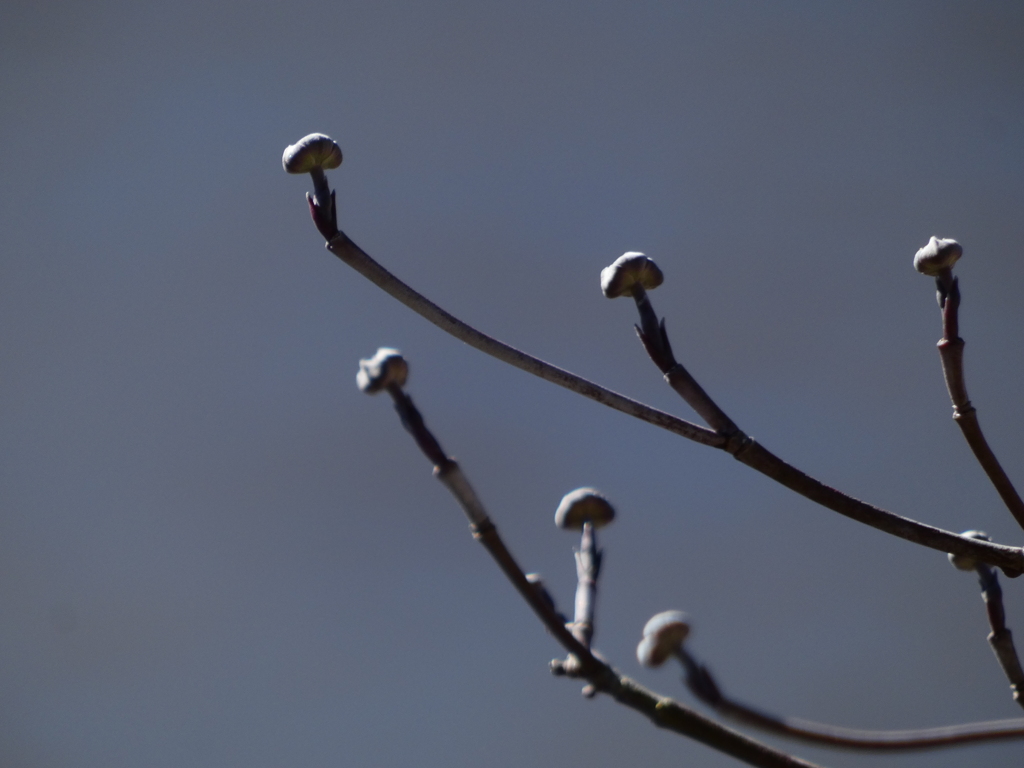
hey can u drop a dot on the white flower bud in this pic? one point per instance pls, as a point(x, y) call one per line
point(937, 256)
point(630, 269)
point(385, 368)
point(312, 152)
point(584, 505)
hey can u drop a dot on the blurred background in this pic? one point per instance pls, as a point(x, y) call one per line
point(215, 551)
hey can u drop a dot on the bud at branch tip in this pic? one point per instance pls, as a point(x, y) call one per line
point(629, 273)
point(938, 256)
point(385, 369)
point(584, 505)
point(316, 151)
point(664, 635)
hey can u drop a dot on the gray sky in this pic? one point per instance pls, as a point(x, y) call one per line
point(215, 551)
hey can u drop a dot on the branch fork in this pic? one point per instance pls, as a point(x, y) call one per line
point(387, 372)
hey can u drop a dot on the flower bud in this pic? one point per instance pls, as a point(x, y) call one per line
point(664, 634)
point(384, 369)
point(315, 151)
point(627, 271)
point(937, 256)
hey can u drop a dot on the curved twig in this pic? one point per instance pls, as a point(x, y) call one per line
point(704, 687)
point(1010, 559)
point(951, 352)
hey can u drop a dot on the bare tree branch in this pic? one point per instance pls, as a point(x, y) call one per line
point(582, 662)
point(654, 337)
point(951, 352)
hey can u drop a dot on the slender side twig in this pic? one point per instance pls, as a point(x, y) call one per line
point(703, 686)
point(1009, 559)
point(662, 711)
point(951, 352)
point(588, 568)
point(936, 259)
point(1000, 638)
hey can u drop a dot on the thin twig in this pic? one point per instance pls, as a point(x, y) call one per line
point(664, 712)
point(1000, 638)
point(701, 683)
point(951, 352)
point(588, 568)
point(654, 337)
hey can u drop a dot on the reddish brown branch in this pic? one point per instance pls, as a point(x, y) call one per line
point(951, 352)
